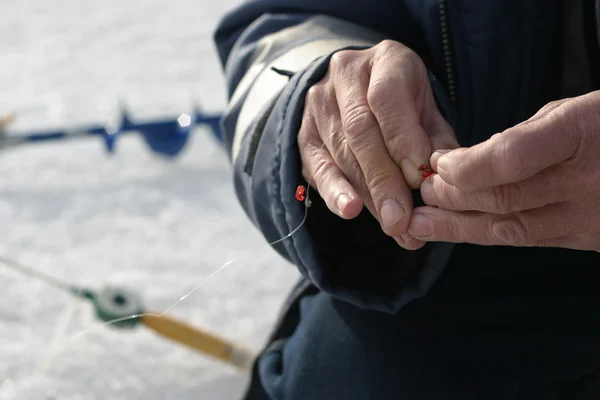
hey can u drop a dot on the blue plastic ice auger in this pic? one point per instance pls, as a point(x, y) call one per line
point(166, 137)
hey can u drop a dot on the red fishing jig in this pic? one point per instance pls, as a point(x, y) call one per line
point(301, 193)
point(301, 196)
point(425, 171)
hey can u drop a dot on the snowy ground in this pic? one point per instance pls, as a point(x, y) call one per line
point(158, 227)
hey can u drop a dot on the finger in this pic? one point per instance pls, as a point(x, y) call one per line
point(397, 96)
point(443, 139)
point(443, 148)
point(552, 185)
point(324, 114)
point(331, 132)
point(390, 194)
point(436, 156)
point(524, 228)
point(514, 155)
point(542, 112)
point(339, 195)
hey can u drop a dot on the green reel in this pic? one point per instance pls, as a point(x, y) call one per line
point(118, 305)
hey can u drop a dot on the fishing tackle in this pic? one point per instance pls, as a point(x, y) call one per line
point(301, 195)
point(122, 308)
point(425, 171)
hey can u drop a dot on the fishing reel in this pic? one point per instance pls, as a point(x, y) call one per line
point(119, 306)
point(122, 308)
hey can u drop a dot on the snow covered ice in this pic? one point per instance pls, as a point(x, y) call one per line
point(156, 226)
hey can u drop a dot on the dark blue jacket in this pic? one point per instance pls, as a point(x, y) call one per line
point(492, 64)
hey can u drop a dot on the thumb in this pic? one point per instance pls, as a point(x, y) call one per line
point(437, 154)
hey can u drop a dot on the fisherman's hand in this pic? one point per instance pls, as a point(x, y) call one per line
point(367, 127)
point(536, 184)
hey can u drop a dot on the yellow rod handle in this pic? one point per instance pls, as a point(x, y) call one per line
point(197, 339)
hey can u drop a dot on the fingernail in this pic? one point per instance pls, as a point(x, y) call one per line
point(445, 157)
point(420, 226)
point(391, 213)
point(437, 156)
point(342, 202)
point(406, 237)
point(440, 152)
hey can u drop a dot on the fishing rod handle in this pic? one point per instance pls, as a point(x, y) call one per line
point(205, 342)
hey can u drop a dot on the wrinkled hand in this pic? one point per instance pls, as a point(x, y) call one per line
point(536, 184)
point(367, 126)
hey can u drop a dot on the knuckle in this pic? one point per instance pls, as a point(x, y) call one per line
point(552, 104)
point(358, 121)
point(511, 160)
point(388, 47)
point(377, 181)
point(447, 197)
point(341, 60)
point(510, 231)
point(321, 169)
point(403, 142)
point(546, 109)
point(315, 93)
point(503, 199)
point(403, 56)
point(387, 44)
point(381, 93)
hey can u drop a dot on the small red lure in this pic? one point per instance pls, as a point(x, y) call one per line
point(301, 193)
point(301, 196)
point(425, 171)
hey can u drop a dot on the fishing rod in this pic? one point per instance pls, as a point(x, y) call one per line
point(118, 306)
point(122, 308)
point(166, 137)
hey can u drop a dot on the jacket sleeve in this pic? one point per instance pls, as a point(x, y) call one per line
point(272, 53)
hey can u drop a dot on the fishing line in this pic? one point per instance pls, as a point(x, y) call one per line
point(60, 330)
point(189, 293)
point(75, 290)
point(148, 314)
point(307, 204)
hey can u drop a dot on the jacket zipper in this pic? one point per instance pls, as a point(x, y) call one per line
point(450, 76)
